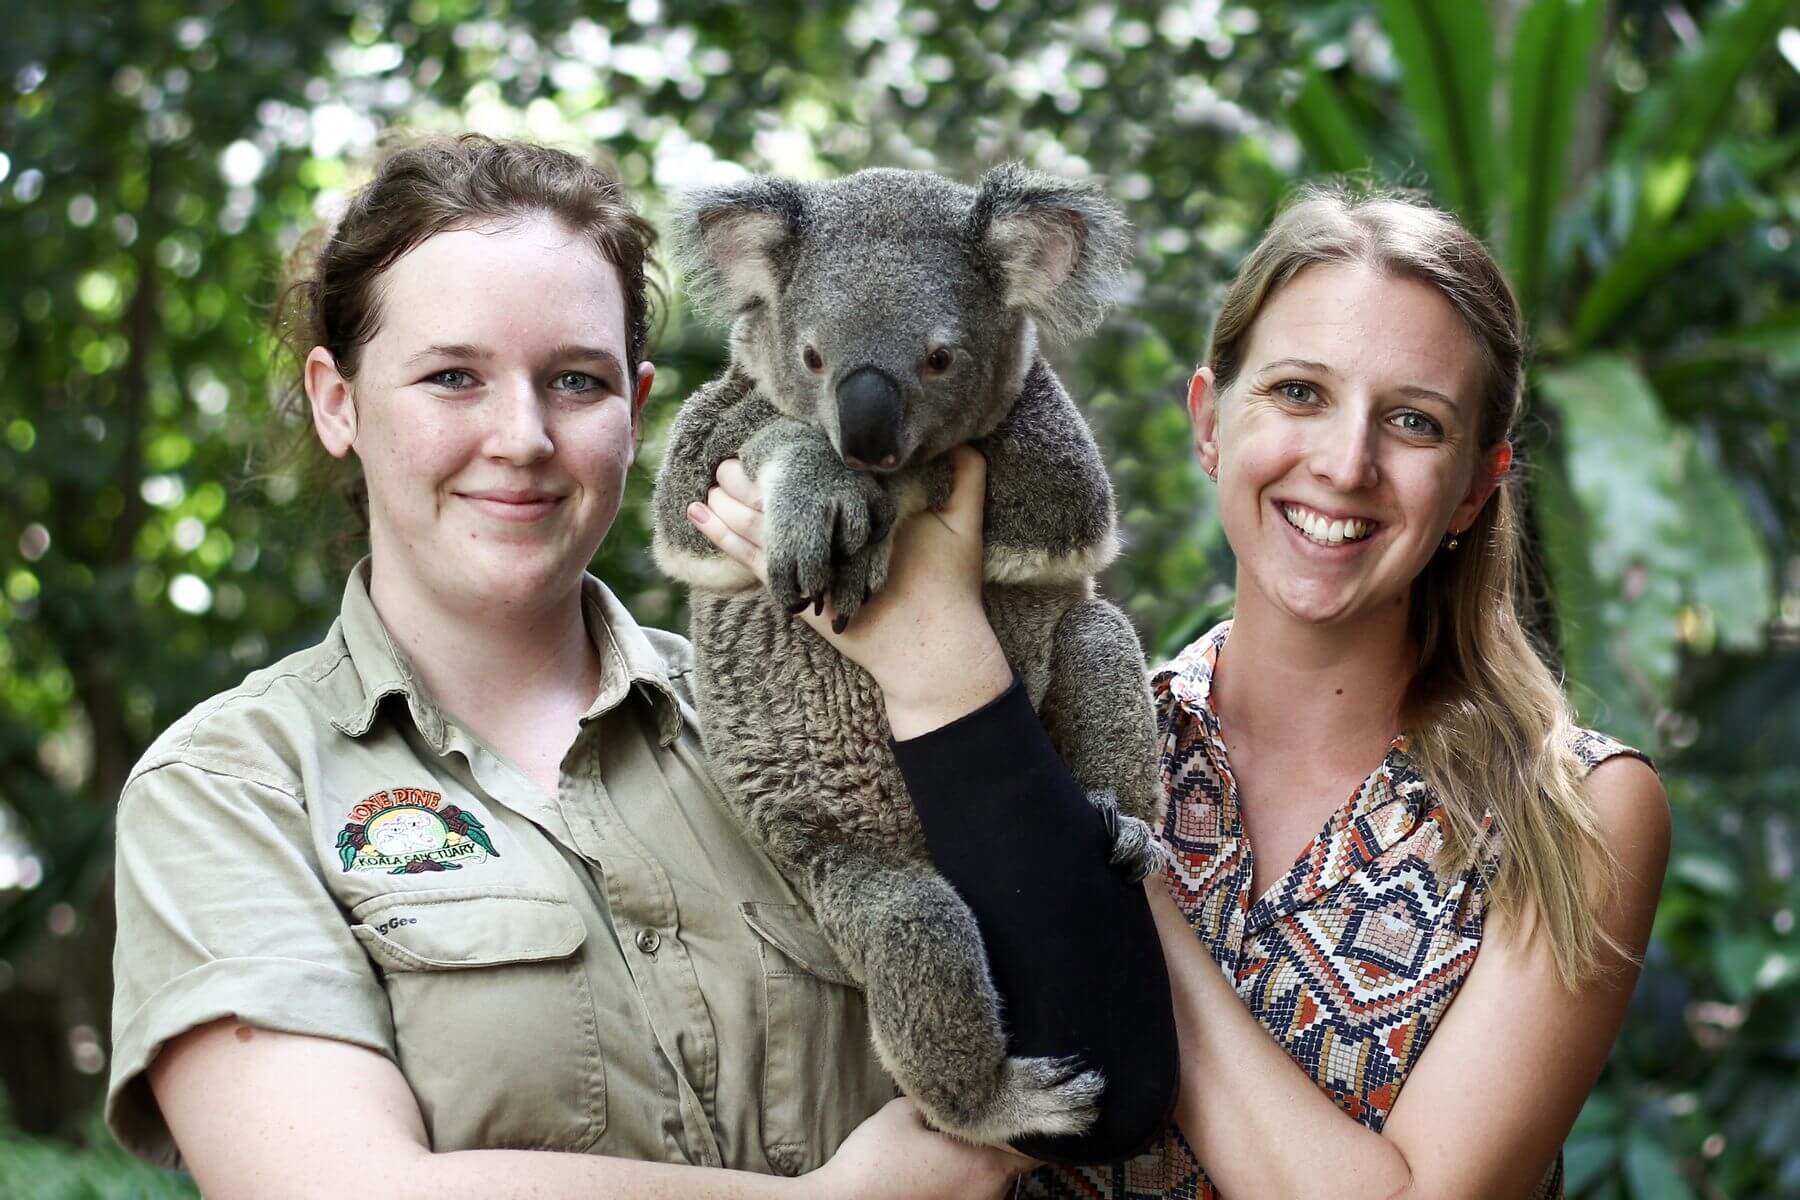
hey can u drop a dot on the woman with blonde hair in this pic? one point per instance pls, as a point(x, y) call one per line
point(1380, 802)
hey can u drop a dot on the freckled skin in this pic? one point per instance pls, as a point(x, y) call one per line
point(523, 415)
point(1348, 440)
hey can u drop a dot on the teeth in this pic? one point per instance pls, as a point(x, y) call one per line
point(1323, 530)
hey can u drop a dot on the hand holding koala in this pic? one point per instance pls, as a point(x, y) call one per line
point(924, 638)
point(877, 322)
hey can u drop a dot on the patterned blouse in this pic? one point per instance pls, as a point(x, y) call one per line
point(1349, 961)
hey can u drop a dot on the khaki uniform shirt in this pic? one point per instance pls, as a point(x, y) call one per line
point(614, 969)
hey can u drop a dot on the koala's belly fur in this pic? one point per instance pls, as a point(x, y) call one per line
point(801, 732)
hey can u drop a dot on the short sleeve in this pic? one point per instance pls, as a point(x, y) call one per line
point(1591, 748)
point(222, 911)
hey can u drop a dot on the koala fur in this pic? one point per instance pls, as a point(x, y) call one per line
point(882, 319)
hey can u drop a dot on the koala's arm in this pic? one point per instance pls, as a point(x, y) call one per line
point(712, 426)
point(825, 525)
point(1050, 513)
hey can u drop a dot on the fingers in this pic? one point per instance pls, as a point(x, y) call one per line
point(731, 544)
point(738, 485)
point(968, 488)
point(738, 516)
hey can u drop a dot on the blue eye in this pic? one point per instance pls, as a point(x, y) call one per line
point(576, 381)
point(1298, 393)
point(1418, 423)
point(455, 378)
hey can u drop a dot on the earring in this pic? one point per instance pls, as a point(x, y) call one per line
point(1450, 542)
point(1212, 472)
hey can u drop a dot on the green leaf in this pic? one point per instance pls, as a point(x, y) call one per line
point(1613, 559)
point(1737, 958)
point(1446, 53)
point(1674, 124)
point(1551, 54)
point(1732, 580)
point(1650, 255)
point(1777, 337)
point(1652, 1172)
point(1586, 1159)
point(1325, 126)
point(1707, 873)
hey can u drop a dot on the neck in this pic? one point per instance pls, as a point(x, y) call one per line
point(1311, 688)
point(480, 664)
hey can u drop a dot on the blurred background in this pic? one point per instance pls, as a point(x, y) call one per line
point(1635, 163)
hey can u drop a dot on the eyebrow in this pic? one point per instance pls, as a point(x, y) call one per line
point(448, 350)
point(1411, 391)
point(600, 354)
point(562, 353)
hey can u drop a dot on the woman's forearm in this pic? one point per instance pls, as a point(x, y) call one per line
point(1257, 1123)
point(1071, 944)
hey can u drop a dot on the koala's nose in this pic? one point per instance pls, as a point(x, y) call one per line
point(869, 418)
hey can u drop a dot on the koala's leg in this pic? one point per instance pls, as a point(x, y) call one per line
point(825, 525)
point(712, 426)
point(933, 1010)
point(1098, 710)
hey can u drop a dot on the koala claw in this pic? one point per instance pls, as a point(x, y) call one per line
point(828, 540)
point(1047, 1097)
point(1135, 850)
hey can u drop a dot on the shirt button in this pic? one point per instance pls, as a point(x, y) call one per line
point(648, 940)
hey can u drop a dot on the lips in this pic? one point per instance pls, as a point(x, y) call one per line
point(513, 505)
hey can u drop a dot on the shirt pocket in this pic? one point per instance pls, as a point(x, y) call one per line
point(820, 1073)
point(494, 1020)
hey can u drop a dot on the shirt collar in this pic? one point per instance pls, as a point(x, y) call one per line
point(627, 662)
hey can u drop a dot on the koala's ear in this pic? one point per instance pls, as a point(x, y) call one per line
point(1059, 246)
point(726, 238)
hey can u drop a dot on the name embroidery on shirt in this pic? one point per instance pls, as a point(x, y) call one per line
point(408, 830)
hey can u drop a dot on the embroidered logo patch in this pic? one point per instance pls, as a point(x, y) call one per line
point(408, 830)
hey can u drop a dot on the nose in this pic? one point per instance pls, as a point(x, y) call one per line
point(517, 429)
point(869, 417)
point(1344, 451)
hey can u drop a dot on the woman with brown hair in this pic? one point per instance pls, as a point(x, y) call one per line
point(1380, 802)
point(446, 905)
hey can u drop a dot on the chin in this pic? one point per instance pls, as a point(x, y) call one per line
point(514, 573)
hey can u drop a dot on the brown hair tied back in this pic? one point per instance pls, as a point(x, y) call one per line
point(333, 291)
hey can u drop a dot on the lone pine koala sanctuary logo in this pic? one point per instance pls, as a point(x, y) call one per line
point(407, 830)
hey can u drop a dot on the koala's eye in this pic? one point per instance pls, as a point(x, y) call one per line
point(813, 359)
point(939, 360)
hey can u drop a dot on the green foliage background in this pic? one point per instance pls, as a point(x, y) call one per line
point(1634, 163)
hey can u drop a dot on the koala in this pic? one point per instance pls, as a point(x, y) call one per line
point(877, 321)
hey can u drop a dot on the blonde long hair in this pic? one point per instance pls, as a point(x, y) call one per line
point(1491, 727)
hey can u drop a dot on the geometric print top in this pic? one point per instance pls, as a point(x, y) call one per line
point(1349, 961)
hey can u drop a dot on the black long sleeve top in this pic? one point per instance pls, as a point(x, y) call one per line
point(1071, 942)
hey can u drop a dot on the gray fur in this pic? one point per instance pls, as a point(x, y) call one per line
point(875, 271)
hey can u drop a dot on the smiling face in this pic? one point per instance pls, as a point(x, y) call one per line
point(492, 415)
point(1348, 445)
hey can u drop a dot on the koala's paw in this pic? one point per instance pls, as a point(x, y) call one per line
point(1135, 851)
point(1043, 1097)
point(829, 541)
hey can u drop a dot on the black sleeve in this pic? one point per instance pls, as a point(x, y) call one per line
point(1071, 943)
